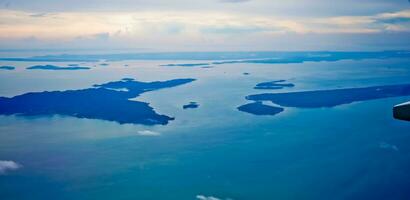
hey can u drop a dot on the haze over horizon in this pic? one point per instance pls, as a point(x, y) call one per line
point(215, 25)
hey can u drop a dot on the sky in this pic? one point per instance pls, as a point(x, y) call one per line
point(211, 25)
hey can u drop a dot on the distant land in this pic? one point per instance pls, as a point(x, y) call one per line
point(7, 68)
point(53, 67)
point(266, 57)
point(187, 65)
point(109, 101)
point(322, 98)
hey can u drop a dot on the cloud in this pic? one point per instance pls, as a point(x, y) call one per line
point(96, 36)
point(179, 30)
point(6, 165)
point(312, 7)
point(202, 197)
point(38, 15)
point(384, 145)
point(104, 25)
point(232, 29)
point(148, 133)
point(102, 36)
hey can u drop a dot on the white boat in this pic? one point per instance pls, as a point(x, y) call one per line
point(402, 111)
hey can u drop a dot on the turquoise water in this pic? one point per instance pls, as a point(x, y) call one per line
point(353, 151)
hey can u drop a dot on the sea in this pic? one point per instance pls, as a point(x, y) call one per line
point(355, 150)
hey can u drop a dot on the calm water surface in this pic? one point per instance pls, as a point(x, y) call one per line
point(353, 151)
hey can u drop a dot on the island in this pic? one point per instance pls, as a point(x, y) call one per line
point(273, 85)
point(191, 105)
point(331, 98)
point(258, 108)
point(102, 101)
point(7, 68)
point(53, 67)
point(328, 99)
point(187, 65)
point(261, 57)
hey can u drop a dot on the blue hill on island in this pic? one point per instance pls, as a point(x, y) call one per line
point(105, 101)
point(53, 67)
point(323, 98)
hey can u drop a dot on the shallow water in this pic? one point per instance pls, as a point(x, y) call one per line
point(353, 151)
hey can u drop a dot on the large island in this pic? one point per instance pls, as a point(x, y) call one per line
point(109, 101)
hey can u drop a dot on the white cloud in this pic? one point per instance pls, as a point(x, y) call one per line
point(203, 197)
point(303, 8)
point(148, 133)
point(186, 24)
point(199, 29)
point(384, 145)
point(6, 165)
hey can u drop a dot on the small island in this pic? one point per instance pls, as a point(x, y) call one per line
point(7, 68)
point(53, 67)
point(273, 85)
point(187, 65)
point(258, 108)
point(191, 105)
